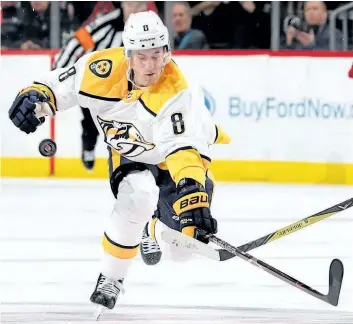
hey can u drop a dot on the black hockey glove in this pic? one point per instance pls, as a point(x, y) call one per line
point(193, 208)
point(22, 112)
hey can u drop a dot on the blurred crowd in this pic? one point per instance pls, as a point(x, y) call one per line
point(195, 24)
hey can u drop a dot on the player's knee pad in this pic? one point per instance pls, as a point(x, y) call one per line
point(137, 197)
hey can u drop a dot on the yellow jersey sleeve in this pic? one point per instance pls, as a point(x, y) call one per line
point(187, 163)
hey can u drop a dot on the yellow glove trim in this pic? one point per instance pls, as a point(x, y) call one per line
point(43, 90)
point(189, 230)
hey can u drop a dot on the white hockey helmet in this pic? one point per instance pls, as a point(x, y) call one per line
point(144, 30)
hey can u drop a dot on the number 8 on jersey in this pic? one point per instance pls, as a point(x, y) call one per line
point(178, 123)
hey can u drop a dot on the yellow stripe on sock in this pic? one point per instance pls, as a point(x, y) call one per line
point(117, 250)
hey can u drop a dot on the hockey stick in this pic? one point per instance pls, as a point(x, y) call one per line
point(335, 275)
point(310, 220)
point(223, 255)
point(336, 268)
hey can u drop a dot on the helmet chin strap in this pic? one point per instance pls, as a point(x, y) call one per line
point(130, 75)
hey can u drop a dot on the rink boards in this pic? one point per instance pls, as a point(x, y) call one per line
point(289, 116)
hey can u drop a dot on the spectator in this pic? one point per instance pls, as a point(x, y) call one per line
point(233, 24)
point(11, 25)
point(105, 31)
point(216, 20)
point(314, 32)
point(70, 23)
point(103, 7)
point(130, 7)
point(36, 21)
point(186, 38)
point(86, 11)
point(252, 27)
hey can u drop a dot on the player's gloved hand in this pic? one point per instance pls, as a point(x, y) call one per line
point(193, 208)
point(22, 112)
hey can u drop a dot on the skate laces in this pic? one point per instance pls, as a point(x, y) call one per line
point(149, 245)
point(110, 287)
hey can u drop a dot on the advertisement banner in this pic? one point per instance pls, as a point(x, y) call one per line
point(289, 117)
point(279, 108)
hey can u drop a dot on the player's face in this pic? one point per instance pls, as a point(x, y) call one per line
point(147, 66)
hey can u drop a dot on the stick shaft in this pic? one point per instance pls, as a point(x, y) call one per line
point(181, 240)
point(268, 268)
point(297, 226)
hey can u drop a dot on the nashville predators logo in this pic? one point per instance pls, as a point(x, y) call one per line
point(101, 68)
point(124, 137)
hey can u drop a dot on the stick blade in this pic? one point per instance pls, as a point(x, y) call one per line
point(335, 281)
point(225, 255)
point(182, 241)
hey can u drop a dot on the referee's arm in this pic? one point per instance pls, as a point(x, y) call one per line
point(77, 46)
point(99, 34)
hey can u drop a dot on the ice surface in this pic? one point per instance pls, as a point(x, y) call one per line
point(50, 233)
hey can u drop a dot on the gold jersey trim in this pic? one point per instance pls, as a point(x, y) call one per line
point(112, 84)
point(111, 87)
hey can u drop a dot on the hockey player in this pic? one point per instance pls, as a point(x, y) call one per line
point(103, 32)
point(158, 133)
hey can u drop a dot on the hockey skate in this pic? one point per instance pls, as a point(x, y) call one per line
point(88, 159)
point(149, 248)
point(106, 293)
point(89, 140)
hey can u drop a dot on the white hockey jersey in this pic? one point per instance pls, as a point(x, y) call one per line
point(166, 124)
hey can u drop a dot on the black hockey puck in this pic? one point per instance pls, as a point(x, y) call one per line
point(47, 147)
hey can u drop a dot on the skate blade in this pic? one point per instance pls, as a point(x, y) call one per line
point(99, 311)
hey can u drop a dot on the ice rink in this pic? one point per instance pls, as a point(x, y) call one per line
point(50, 233)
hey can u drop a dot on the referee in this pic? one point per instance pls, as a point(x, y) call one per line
point(103, 32)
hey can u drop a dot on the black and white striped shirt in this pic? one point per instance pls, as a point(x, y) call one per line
point(103, 32)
